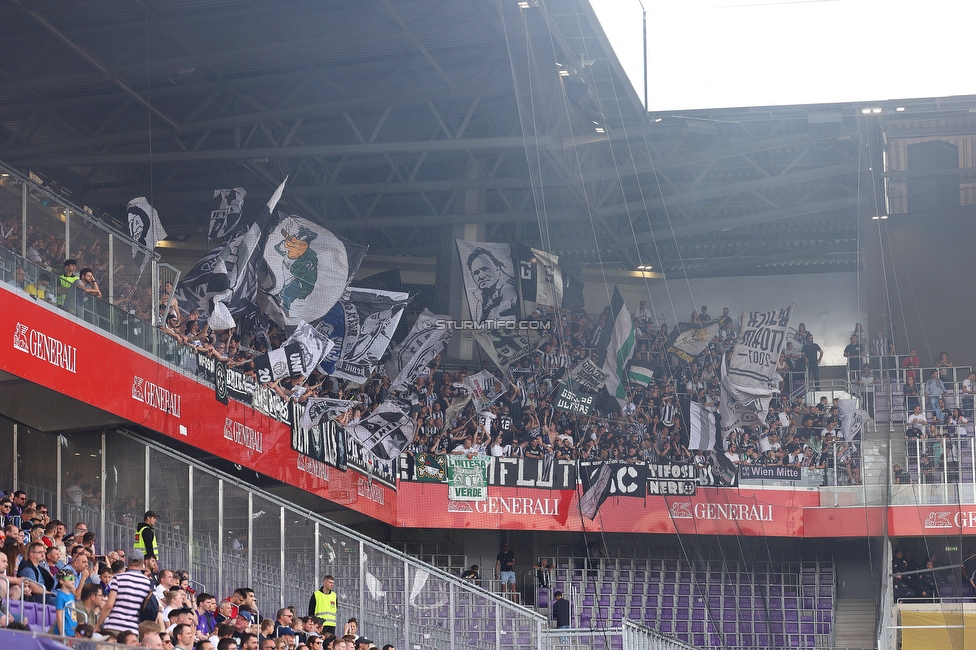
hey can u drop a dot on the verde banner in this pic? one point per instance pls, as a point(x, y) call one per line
point(467, 478)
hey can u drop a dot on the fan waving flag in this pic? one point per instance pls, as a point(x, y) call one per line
point(619, 350)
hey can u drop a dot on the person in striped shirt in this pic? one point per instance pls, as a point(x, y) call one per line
point(126, 594)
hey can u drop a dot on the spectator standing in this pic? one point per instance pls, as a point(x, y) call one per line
point(812, 354)
point(560, 611)
point(934, 390)
point(64, 602)
point(505, 570)
point(324, 605)
point(146, 536)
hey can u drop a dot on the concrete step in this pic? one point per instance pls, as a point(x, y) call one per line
point(854, 622)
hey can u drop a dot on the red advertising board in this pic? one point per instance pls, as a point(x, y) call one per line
point(42, 345)
point(712, 511)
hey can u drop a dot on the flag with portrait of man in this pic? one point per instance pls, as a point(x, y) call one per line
point(489, 281)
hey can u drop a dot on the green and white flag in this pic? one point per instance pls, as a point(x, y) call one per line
point(619, 350)
point(467, 478)
point(641, 374)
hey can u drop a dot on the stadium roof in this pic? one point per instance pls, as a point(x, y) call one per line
point(398, 122)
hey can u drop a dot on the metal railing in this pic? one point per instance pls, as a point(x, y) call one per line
point(627, 636)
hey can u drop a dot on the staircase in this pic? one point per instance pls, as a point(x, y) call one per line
point(854, 623)
point(876, 439)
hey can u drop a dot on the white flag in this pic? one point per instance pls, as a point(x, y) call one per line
point(852, 418)
point(619, 350)
point(483, 388)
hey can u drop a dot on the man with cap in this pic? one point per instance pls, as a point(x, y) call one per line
point(126, 593)
point(146, 536)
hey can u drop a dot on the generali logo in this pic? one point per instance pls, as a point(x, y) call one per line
point(725, 511)
point(44, 347)
point(940, 519)
point(156, 396)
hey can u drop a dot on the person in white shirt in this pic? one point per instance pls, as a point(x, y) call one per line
point(916, 423)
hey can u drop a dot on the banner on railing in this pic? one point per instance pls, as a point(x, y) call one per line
point(467, 478)
point(768, 473)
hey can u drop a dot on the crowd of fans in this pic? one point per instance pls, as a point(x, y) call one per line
point(46, 249)
point(126, 597)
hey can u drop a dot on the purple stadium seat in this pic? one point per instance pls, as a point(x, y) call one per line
point(792, 628)
point(665, 627)
point(698, 626)
point(652, 602)
point(789, 603)
point(665, 614)
point(745, 614)
point(779, 641)
point(15, 610)
point(806, 628)
point(604, 601)
point(667, 601)
point(543, 597)
point(684, 601)
point(635, 613)
point(715, 590)
point(681, 614)
point(681, 626)
point(668, 588)
point(639, 588)
point(623, 587)
point(698, 639)
point(762, 640)
point(824, 603)
point(698, 614)
point(729, 614)
point(716, 641)
point(684, 589)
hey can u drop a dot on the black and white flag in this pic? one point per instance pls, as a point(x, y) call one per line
point(318, 409)
point(411, 358)
point(596, 489)
point(489, 281)
point(587, 374)
point(313, 344)
point(144, 225)
point(223, 284)
point(757, 348)
point(307, 268)
point(226, 216)
point(386, 431)
point(279, 363)
point(371, 318)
